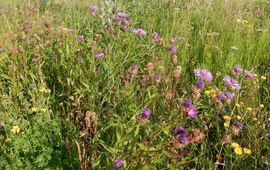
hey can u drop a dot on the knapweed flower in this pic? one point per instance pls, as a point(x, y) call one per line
point(173, 48)
point(123, 14)
point(232, 82)
point(93, 9)
point(237, 70)
point(229, 96)
point(180, 131)
point(200, 84)
point(139, 32)
point(247, 151)
point(238, 125)
point(203, 74)
point(15, 129)
point(99, 55)
point(190, 109)
point(125, 23)
point(249, 74)
point(184, 140)
point(118, 163)
point(133, 70)
point(157, 78)
point(146, 113)
point(80, 37)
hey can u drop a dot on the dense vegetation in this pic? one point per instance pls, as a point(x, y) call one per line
point(134, 84)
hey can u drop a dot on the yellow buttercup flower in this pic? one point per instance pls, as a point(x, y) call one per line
point(238, 150)
point(249, 109)
point(238, 21)
point(263, 77)
point(255, 118)
point(247, 151)
point(238, 117)
point(261, 106)
point(226, 118)
point(34, 109)
point(207, 92)
point(15, 129)
point(237, 105)
point(235, 145)
point(226, 124)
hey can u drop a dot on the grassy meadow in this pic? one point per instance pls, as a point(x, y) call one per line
point(134, 84)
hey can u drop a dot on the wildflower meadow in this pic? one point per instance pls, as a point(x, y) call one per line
point(134, 84)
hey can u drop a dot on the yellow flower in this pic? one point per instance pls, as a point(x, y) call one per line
point(247, 151)
point(15, 129)
point(34, 109)
point(226, 118)
point(249, 109)
point(235, 145)
point(226, 124)
point(263, 77)
point(238, 21)
point(43, 110)
point(255, 119)
point(237, 105)
point(238, 117)
point(261, 106)
point(207, 92)
point(238, 150)
point(42, 89)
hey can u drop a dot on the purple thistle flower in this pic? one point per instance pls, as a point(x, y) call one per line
point(80, 37)
point(221, 96)
point(117, 20)
point(249, 74)
point(99, 55)
point(183, 140)
point(229, 95)
point(123, 14)
point(125, 23)
point(173, 48)
point(203, 74)
point(93, 8)
point(146, 112)
point(190, 109)
point(200, 84)
point(237, 70)
point(139, 32)
point(232, 82)
point(181, 131)
point(187, 103)
point(118, 163)
point(238, 125)
point(157, 77)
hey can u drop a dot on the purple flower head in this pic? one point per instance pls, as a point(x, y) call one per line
point(180, 131)
point(200, 84)
point(123, 15)
point(146, 113)
point(176, 38)
point(173, 48)
point(221, 96)
point(99, 55)
point(229, 95)
point(139, 32)
point(249, 74)
point(80, 37)
point(125, 23)
point(187, 103)
point(93, 9)
point(203, 74)
point(118, 163)
point(183, 140)
point(117, 20)
point(232, 82)
point(157, 77)
point(192, 112)
point(237, 70)
point(238, 125)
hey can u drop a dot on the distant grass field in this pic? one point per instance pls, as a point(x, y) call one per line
point(134, 84)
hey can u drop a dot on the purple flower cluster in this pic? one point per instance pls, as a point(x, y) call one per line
point(231, 82)
point(203, 75)
point(249, 74)
point(118, 163)
point(146, 113)
point(99, 55)
point(139, 32)
point(190, 109)
point(122, 18)
point(239, 125)
point(182, 135)
point(156, 39)
point(237, 70)
point(173, 48)
point(93, 10)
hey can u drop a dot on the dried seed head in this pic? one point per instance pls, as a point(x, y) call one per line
point(150, 67)
point(174, 59)
point(161, 69)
